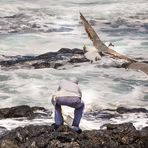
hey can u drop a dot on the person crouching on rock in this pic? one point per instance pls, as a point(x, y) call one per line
point(68, 94)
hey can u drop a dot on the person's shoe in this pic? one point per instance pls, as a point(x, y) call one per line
point(76, 129)
point(55, 126)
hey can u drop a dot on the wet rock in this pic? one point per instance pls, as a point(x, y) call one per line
point(41, 65)
point(19, 111)
point(126, 127)
point(65, 50)
point(121, 135)
point(39, 136)
point(48, 60)
point(100, 114)
point(57, 65)
point(123, 110)
point(77, 51)
point(65, 57)
point(78, 60)
point(49, 56)
point(35, 108)
point(8, 143)
point(3, 112)
point(144, 136)
point(23, 111)
point(3, 130)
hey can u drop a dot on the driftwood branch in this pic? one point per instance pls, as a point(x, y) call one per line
point(102, 48)
point(99, 44)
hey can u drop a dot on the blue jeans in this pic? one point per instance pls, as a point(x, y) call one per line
point(74, 102)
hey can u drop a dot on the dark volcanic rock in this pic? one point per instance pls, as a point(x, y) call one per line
point(123, 110)
point(144, 136)
point(43, 136)
point(115, 136)
point(41, 65)
point(47, 60)
point(19, 111)
point(100, 114)
point(78, 60)
point(3, 130)
point(23, 111)
point(65, 50)
point(40, 136)
point(61, 58)
point(77, 51)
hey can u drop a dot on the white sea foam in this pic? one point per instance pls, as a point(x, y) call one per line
point(139, 120)
point(14, 123)
point(35, 87)
point(7, 10)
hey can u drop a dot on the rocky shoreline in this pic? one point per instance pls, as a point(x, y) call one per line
point(54, 60)
point(63, 58)
point(44, 136)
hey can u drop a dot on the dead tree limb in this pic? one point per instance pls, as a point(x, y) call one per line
point(99, 44)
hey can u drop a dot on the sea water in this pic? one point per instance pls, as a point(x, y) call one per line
point(30, 27)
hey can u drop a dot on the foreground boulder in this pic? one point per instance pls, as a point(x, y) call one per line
point(43, 136)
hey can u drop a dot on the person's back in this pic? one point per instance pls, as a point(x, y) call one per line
point(68, 88)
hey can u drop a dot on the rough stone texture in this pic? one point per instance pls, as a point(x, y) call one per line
point(144, 136)
point(123, 110)
point(48, 60)
point(61, 58)
point(113, 113)
point(22, 111)
point(32, 112)
point(101, 114)
point(43, 136)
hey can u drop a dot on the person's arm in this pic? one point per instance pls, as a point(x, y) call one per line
point(59, 88)
point(53, 100)
point(80, 92)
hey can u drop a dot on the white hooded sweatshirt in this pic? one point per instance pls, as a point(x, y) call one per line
point(69, 88)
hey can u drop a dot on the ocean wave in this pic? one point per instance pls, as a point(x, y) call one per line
point(59, 18)
point(35, 20)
